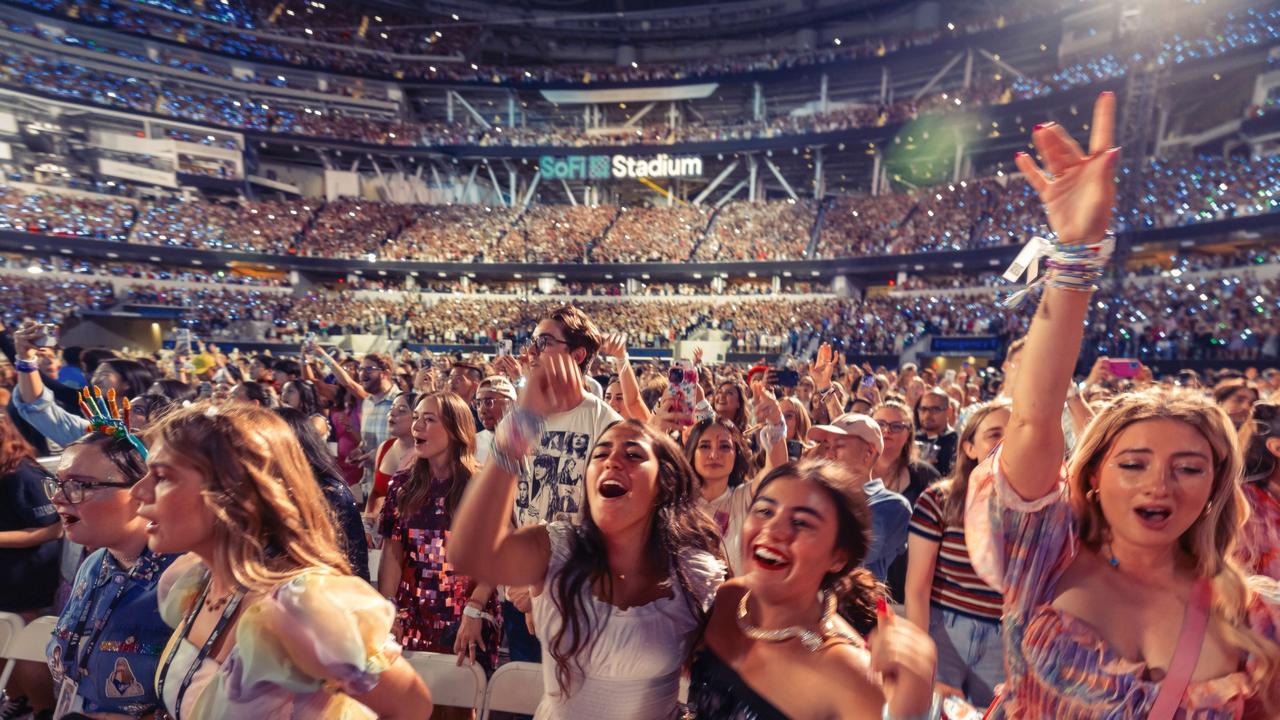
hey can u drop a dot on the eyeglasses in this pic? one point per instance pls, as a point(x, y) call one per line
point(893, 427)
point(539, 342)
point(489, 402)
point(932, 409)
point(73, 489)
point(371, 369)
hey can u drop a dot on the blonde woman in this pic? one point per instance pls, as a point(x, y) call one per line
point(1121, 597)
point(268, 620)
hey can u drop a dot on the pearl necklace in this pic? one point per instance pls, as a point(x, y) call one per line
point(810, 639)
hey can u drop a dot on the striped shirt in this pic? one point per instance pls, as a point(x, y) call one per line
point(956, 586)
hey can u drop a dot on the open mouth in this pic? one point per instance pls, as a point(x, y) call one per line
point(769, 558)
point(68, 519)
point(612, 489)
point(1153, 516)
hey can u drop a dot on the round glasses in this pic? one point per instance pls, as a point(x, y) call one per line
point(73, 489)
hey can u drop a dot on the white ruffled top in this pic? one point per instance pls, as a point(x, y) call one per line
point(632, 671)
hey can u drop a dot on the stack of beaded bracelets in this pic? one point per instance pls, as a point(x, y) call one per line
point(514, 437)
point(1070, 267)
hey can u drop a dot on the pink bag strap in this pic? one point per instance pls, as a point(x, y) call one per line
point(1190, 640)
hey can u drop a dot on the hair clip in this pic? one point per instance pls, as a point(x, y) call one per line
point(108, 418)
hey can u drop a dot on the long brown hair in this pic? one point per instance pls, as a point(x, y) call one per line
point(456, 418)
point(271, 521)
point(908, 452)
point(679, 528)
point(13, 447)
point(1210, 541)
point(956, 488)
point(744, 464)
point(855, 588)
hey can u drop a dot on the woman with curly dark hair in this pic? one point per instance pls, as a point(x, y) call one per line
point(776, 646)
point(618, 600)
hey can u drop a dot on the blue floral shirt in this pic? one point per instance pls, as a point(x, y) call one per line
point(116, 616)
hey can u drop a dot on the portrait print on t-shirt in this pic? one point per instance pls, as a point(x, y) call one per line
point(554, 490)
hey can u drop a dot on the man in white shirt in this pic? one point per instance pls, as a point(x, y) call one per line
point(551, 487)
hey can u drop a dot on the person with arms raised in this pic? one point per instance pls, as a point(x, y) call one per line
point(618, 598)
point(1148, 510)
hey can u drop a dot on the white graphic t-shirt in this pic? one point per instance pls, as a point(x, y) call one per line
point(552, 488)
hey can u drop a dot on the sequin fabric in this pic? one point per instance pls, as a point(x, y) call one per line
point(431, 596)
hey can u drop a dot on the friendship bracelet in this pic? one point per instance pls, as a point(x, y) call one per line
point(1068, 267)
point(515, 436)
point(771, 434)
point(26, 366)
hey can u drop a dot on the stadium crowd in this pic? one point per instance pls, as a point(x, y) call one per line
point(63, 77)
point(824, 533)
point(970, 214)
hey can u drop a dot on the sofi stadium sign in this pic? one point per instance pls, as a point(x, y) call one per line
point(618, 167)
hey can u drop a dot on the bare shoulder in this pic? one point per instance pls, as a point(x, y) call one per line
point(846, 670)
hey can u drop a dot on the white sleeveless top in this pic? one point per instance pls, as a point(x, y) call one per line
point(632, 671)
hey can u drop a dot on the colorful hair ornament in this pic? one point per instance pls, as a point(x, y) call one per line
point(105, 417)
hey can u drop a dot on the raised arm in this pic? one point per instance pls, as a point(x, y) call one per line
point(615, 346)
point(483, 544)
point(339, 373)
point(1078, 202)
point(773, 430)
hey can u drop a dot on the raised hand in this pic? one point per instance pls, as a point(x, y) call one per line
point(554, 386)
point(508, 366)
point(25, 338)
point(615, 346)
point(906, 659)
point(823, 367)
point(1080, 189)
point(765, 405)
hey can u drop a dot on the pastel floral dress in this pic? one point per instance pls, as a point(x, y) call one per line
point(318, 618)
point(1057, 665)
point(431, 595)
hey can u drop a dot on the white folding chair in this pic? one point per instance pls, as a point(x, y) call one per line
point(10, 626)
point(27, 643)
point(514, 688)
point(451, 685)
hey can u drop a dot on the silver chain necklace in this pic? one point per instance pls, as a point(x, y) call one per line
point(810, 639)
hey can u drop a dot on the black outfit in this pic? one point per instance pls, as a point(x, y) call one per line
point(940, 452)
point(349, 524)
point(717, 692)
point(921, 475)
point(28, 576)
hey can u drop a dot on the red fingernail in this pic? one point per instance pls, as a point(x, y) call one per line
point(1019, 154)
point(1040, 126)
point(1106, 93)
point(882, 607)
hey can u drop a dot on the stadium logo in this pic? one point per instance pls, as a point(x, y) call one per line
point(604, 167)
